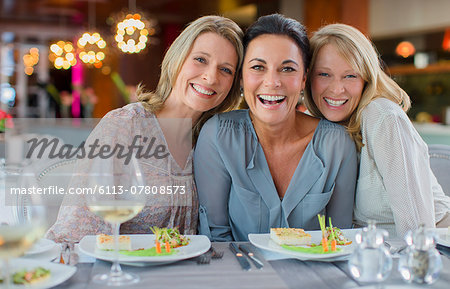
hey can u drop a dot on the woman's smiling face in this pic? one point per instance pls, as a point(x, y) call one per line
point(336, 87)
point(272, 78)
point(207, 74)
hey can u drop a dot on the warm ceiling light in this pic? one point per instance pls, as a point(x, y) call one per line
point(62, 55)
point(131, 35)
point(405, 49)
point(91, 46)
point(30, 59)
point(446, 41)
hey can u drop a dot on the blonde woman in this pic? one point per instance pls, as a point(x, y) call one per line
point(347, 85)
point(198, 79)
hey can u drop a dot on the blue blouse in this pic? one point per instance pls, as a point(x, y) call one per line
point(236, 192)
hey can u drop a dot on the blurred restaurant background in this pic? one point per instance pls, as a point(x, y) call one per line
point(78, 59)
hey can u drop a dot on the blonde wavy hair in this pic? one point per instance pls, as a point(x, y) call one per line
point(174, 60)
point(363, 57)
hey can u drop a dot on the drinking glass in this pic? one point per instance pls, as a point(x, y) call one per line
point(118, 198)
point(28, 225)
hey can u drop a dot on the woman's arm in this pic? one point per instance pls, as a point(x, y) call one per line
point(402, 159)
point(213, 184)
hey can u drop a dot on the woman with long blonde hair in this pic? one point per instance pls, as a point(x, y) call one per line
point(346, 84)
point(198, 78)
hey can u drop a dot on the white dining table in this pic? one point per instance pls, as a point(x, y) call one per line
point(227, 273)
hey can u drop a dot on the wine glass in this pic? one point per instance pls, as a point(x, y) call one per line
point(119, 198)
point(29, 224)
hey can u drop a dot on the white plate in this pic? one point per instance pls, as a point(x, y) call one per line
point(58, 273)
point(198, 245)
point(263, 241)
point(45, 256)
point(442, 238)
point(41, 246)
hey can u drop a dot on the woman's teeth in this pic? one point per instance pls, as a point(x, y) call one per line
point(335, 102)
point(271, 99)
point(202, 90)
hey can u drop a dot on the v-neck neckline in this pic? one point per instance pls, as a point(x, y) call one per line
point(266, 170)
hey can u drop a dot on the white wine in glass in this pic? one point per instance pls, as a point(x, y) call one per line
point(18, 236)
point(117, 209)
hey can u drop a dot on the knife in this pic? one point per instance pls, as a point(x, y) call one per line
point(240, 257)
point(256, 261)
point(443, 250)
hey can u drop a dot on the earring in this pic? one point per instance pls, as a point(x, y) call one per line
point(302, 92)
point(242, 92)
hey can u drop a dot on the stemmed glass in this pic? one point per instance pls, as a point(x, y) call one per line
point(118, 198)
point(28, 226)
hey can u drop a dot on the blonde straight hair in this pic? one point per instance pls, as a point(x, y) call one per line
point(362, 56)
point(176, 56)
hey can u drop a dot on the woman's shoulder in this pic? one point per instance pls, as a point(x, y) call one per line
point(132, 110)
point(326, 126)
point(236, 119)
point(383, 113)
point(382, 107)
point(239, 115)
point(332, 136)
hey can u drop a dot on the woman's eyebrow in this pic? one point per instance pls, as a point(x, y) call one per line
point(209, 55)
point(290, 61)
point(257, 59)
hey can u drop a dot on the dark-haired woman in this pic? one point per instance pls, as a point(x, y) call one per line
point(271, 166)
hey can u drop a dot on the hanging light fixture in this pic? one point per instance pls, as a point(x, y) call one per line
point(91, 45)
point(91, 48)
point(405, 49)
point(446, 41)
point(30, 59)
point(62, 54)
point(133, 32)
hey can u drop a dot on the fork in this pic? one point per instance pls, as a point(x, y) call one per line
point(204, 258)
point(216, 254)
point(395, 250)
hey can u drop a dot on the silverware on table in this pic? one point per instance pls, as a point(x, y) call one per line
point(395, 249)
point(204, 258)
point(247, 251)
point(443, 250)
point(240, 256)
point(216, 254)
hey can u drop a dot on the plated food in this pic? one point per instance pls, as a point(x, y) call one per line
point(328, 244)
point(26, 276)
point(37, 274)
point(141, 244)
point(106, 242)
point(290, 236)
point(33, 276)
point(171, 238)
